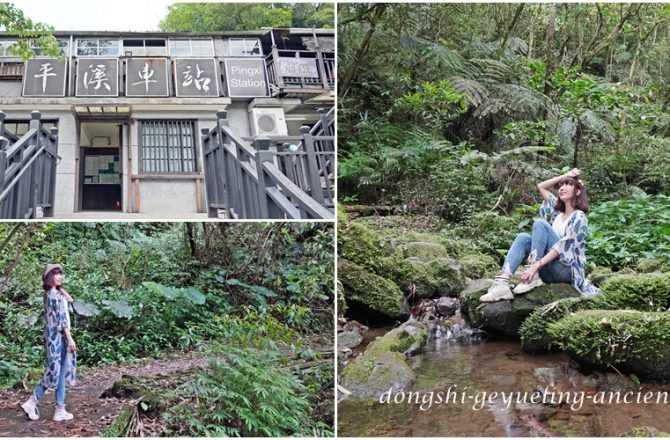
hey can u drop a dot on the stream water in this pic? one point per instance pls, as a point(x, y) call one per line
point(501, 366)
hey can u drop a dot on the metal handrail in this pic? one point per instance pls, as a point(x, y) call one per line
point(246, 182)
point(28, 170)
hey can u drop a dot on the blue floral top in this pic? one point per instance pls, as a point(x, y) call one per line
point(571, 245)
point(56, 318)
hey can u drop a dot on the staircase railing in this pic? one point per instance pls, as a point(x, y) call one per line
point(317, 143)
point(28, 170)
point(245, 181)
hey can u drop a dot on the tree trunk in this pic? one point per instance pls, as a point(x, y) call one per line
point(190, 236)
point(551, 30)
point(510, 28)
point(350, 74)
point(531, 34)
point(578, 140)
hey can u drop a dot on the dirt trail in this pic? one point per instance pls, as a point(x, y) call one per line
point(91, 412)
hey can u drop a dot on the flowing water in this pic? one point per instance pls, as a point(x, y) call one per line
point(501, 366)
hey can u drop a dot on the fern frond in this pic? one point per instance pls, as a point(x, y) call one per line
point(490, 69)
point(565, 132)
point(522, 150)
point(451, 61)
point(521, 101)
point(475, 91)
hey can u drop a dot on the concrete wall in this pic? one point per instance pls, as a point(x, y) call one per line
point(168, 197)
point(11, 88)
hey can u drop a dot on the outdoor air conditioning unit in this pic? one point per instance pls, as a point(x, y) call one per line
point(268, 122)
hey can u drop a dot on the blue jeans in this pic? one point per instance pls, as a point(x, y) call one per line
point(60, 388)
point(535, 246)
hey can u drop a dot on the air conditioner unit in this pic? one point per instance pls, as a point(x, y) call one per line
point(268, 122)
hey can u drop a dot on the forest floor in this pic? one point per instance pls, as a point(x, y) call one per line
point(92, 412)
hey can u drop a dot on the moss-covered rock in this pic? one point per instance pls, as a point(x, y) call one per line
point(638, 292)
point(120, 425)
point(645, 431)
point(359, 244)
point(376, 293)
point(631, 341)
point(506, 317)
point(425, 251)
point(649, 292)
point(535, 337)
point(524, 305)
point(383, 364)
point(349, 339)
point(600, 275)
point(447, 275)
point(478, 266)
point(469, 297)
point(649, 265)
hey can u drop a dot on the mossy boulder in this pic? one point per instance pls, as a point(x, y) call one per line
point(349, 339)
point(478, 266)
point(469, 297)
point(383, 363)
point(534, 333)
point(653, 265)
point(372, 291)
point(426, 279)
point(631, 341)
point(645, 431)
point(506, 317)
point(425, 251)
point(650, 292)
point(361, 245)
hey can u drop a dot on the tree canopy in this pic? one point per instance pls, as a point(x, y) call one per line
point(214, 17)
point(15, 23)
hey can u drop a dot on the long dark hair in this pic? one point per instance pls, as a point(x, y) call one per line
point(582, 201)
point(49, 279)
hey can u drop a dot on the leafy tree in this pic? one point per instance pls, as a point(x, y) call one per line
point(214, 17)
point(15, 23)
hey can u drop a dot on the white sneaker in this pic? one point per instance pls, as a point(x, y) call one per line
point(61, 415)
point(499, 291)
point(527, 287)
point(30, 407)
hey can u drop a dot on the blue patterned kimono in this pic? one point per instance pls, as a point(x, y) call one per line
point(571, 245)
point(55, 320)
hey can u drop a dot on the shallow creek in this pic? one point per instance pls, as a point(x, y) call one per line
point(501, 366)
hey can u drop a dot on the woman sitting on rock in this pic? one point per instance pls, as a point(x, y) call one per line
point(555, 249)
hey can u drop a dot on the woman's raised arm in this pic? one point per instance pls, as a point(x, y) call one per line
point(545, 186)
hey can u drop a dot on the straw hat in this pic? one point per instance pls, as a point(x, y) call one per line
point(49, 267)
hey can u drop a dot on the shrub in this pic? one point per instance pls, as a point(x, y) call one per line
point(625, 231)
point(245, 393)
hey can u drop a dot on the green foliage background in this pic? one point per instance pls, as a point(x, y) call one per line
point(459, 110)
point(149, 289)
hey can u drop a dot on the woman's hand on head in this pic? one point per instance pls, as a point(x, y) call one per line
point(574, 173)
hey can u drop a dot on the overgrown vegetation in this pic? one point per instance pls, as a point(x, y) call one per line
point(147, 289)
point(459, 110)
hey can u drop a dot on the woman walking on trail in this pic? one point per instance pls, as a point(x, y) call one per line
point(60, 347)
point(555, 249)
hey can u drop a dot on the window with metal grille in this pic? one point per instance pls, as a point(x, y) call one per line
point(167, 146)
